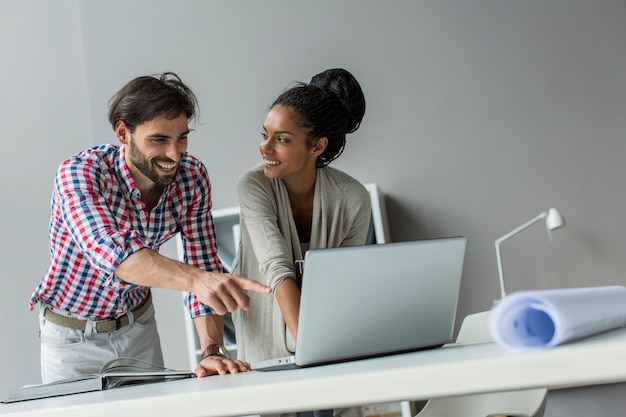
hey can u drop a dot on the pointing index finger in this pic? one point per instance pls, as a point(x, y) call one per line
point(251, 285)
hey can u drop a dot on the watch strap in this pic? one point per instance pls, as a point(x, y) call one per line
point(215, 350)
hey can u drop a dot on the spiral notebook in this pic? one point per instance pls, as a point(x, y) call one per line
point(365, 301)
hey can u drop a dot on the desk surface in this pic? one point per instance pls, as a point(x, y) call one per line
point(450, 370)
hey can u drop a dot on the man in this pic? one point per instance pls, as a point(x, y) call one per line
point(112, 208)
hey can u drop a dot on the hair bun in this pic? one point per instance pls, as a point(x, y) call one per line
point(339, 83)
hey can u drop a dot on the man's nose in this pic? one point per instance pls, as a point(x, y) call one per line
point(175, 151)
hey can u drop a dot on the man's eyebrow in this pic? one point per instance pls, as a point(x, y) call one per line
point(157, 135)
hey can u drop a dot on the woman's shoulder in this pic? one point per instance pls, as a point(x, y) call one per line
point(253, 177)
point(341, 181)
point(253, 184)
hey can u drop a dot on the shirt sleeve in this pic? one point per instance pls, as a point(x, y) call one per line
point(260, 211)
point(83, 189)
point(198, 238)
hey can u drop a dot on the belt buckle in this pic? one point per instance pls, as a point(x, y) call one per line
point(118, 323)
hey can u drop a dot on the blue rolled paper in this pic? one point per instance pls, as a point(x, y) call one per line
point(547, 318)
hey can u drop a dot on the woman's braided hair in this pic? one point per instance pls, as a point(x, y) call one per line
point(331, 105)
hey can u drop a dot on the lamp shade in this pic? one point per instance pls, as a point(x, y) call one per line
point(554, 220)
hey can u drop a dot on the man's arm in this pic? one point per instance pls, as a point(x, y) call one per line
point(211, 332)
point(222, 292)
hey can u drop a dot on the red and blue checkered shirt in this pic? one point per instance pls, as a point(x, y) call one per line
point(98, 220)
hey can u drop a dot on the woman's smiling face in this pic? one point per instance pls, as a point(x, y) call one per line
point(285, 149)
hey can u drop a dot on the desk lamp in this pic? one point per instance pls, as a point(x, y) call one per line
point(554, 220)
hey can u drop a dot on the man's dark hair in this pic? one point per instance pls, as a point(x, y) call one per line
point(148, 97)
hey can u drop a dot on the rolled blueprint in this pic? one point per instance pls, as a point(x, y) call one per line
point(547, 318)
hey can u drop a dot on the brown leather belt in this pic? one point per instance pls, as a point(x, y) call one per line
point(102, 326)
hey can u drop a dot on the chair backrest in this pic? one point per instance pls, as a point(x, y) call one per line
point(475, 329)
point(521, 403)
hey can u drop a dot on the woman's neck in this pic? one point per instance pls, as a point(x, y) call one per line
point(301, 195)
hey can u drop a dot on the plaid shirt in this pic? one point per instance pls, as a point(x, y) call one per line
point(98, 220)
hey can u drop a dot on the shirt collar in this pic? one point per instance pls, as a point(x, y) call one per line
point(125, 176)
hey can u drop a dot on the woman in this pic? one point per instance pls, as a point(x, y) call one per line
point(294, 202)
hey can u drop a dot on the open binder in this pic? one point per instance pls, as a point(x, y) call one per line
point(113, 374)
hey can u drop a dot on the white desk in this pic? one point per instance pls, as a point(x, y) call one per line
point(450, 370)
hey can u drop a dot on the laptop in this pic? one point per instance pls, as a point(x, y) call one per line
point(365, 301)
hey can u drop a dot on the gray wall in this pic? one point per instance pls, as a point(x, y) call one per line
point(481, 114)
point(43, 116)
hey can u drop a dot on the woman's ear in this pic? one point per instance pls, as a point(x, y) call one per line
point(320, 146)
point(122, 132)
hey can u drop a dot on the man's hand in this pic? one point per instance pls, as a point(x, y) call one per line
point(226, 292)
point(221, 292)
point(220, 365)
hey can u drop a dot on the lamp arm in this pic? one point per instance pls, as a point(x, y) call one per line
point(500, 275)
point(505, 237)
point(522, 227)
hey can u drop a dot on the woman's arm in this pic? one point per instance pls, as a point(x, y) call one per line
point(288, 298)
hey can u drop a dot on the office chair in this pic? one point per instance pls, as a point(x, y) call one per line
point(521, 403)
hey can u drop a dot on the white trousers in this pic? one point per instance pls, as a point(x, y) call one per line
point(67, 352)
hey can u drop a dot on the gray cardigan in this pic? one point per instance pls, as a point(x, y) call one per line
point(269, 245)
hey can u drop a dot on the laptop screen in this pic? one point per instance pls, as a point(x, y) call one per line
point(371, 300)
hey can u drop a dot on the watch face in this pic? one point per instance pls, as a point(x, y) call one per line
point(224, 352)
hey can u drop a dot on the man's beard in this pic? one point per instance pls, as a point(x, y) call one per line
point(145, 166)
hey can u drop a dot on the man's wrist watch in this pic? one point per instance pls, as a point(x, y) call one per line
point(215, 350)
